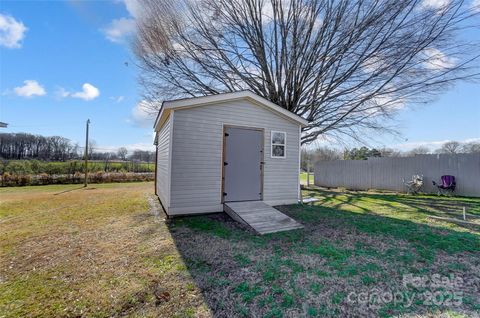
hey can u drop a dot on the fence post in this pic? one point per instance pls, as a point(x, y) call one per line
point(308, 173)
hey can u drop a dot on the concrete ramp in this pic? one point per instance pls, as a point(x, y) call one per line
point(261, 217)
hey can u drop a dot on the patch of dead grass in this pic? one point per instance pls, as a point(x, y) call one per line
point(91, 253)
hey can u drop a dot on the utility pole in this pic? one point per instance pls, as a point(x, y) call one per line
point(86, 154)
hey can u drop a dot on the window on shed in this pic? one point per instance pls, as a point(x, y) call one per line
point(278, 144)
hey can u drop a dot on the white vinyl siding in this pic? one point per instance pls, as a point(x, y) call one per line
point(163, 163)
point(196, 176)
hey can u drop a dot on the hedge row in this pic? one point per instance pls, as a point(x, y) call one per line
point(34, 167)
point(13, 180)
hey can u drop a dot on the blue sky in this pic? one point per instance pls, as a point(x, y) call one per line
point(66, 61)
point(64, 47)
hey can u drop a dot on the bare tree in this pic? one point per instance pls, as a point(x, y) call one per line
point(327, 154)
point(450, 147)
point(344, 65)
point(420, 150)
point(142, 155)
point(92, 145)
point(390, 152)
point(471, 147)
point(362, 153)
point(28, 146)
point(306, 158)
point(122, 153)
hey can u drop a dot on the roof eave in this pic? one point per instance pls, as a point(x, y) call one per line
point(164, 111)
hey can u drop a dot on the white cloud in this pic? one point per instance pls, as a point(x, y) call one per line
point(133, 7)
point(471, 140)
point(119, 30)
point(267, 12)
point(438, 5)
point(143, 114)
point(405, 146)
point(429, 144)
point(389, 102)
point(29, 89)
point(382, 103)
point(12, 32)
point(89, 92)
point(61, 92)
point(374, 64)
point(476, 5)
point(437, 60)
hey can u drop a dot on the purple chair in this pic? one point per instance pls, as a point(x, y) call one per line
point(447, 186)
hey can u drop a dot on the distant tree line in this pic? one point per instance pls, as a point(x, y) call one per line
point(19, 146)
point(363, 153)
point(28, 146)
point(121, 154)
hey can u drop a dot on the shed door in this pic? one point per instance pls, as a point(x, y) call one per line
point(243, 156)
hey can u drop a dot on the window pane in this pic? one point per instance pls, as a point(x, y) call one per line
point(278, 138)
point(278, 151)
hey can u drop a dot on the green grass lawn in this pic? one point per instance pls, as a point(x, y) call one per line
point(68, 251)
point(303, 178)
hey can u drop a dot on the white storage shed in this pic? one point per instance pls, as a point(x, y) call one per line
point(225, 148)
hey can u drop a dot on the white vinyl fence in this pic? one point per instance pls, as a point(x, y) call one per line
point(387, 173)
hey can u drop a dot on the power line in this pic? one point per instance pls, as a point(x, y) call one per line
point(53, 125)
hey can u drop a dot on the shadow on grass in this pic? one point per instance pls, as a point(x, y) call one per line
point(416, 208)
point(445, 239)
point(427, 202)
point(241, 274)
point(70, 190)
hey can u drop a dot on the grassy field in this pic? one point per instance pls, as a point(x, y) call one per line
point(103, 251)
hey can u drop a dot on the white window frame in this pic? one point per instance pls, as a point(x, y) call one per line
point(284, 144)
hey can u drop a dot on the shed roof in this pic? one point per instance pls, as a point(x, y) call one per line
point(167, 106)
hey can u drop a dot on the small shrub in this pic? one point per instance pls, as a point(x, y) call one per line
point(24, 180)
point(45, 178)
